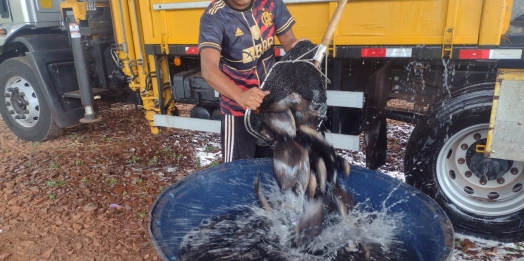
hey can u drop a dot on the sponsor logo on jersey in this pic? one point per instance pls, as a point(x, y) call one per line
point(239, 32)
point(254, 52)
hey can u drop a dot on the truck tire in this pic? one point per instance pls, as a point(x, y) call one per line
point(25, 109)
point(441, 161)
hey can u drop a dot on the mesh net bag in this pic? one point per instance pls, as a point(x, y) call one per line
point(293, 73)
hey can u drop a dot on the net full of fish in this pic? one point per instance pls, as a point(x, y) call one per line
point(306, 215)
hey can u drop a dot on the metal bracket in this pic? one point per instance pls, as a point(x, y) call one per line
point(164, 46)
point(447, 46)
point(449, 30)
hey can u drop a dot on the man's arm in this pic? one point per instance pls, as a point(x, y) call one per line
point(288, 40)
point(209, 62)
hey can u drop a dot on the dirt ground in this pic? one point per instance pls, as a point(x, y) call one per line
point(56, 197)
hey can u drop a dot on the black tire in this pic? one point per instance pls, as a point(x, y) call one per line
point(433, 165)
point(39, 124)
point(216, 115)
point(200, 112)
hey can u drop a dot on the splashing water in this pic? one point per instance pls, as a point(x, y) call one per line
point(445, 75)
point(252, 233)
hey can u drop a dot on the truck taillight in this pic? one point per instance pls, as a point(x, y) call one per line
point(3, 31)
point(192, 50)
point(373, 52)
point(494, 54)
point(474, 54)
point(386, 52)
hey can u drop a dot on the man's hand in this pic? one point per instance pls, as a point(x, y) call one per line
point(252, 98)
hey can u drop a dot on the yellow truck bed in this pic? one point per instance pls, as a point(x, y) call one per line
point(364, 22)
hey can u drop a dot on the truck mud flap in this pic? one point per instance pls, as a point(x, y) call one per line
point(55, 73)
point(375, 130)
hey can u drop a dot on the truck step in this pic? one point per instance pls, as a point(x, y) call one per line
point(76, 94)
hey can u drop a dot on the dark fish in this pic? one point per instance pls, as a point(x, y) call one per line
point(290, 164)
point(343, 166)
point(321, 147)
point(343, 200)
point(268, 134)
point(288, 102)
point(262, 200)
point(312, 187)
point(321, 173)
point(281, 123)
point(306, 113)
point(310, 222)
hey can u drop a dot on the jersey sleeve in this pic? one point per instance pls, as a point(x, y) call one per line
point(283, 19)
point(211, 32)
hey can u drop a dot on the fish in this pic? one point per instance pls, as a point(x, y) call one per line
point(305, 112)
point(281, 123)
point(312, 187)
point(260, 196)
point(321, 171)
point(286, 103)
point(343, 200)
point(290, 164)
point(310, 222)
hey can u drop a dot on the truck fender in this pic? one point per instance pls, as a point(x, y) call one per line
point(44, 51)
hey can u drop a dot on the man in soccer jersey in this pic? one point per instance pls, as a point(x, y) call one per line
point(236, 52)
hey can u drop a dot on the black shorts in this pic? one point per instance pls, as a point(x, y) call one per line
point(237, 143)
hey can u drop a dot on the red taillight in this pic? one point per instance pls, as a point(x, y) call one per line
point(191, 50)
point(474, 54)
point(373, 52)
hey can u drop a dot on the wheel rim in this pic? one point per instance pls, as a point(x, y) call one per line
point(21, 101)
point(489, 187)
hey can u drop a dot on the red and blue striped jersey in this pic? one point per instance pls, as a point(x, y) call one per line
point(245, 39)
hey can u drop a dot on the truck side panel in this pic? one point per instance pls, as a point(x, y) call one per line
point(363, 22)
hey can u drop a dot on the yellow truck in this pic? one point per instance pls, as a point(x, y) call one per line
point(458, 61)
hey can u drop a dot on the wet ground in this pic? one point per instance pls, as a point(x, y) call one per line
point(86, 195)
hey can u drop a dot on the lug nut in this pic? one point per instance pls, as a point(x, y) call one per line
point(16, 89)
point(501, 180)
point(22, 94)
point(476, 136)
point(7, 95)
point(468, 174)
point(452, 174)
point(11, 112)
point(7, 103)
point(26, 102)
point(22, 117)
point(514, 171)
point(26, 111)
point(483, 181)
point(17, 117)
point(10, 89)
point(464, 146)
point(469, 190)
point(461, 161)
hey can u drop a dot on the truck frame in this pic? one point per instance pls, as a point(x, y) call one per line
point(458, 61)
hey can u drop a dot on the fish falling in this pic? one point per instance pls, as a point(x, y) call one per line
point(303, 160)
point(305, 163)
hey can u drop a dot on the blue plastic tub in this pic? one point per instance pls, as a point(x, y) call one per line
point(427, 232)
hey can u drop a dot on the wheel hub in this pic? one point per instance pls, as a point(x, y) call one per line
point(21, 101)
point(486, 168)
